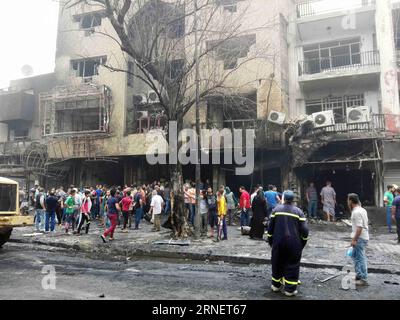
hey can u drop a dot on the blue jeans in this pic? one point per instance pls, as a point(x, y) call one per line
point(167, 206)
point(360, 259)
point(192, 213)
point(39, 221)
point(389, 217)
point(244, 218)
point(138, 216)
point(312, 208)
point(50, 215)
point(224, 228)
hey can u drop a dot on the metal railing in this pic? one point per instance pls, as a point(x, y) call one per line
point(339, 62)
point(316, 7)
point(267, 134)
point(375, 126)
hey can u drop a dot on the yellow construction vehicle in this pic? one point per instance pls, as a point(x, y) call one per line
point(10, 215)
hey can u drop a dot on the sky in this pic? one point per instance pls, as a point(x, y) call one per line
point(28, 32)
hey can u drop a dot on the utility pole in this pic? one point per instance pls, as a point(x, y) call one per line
point(197, 222)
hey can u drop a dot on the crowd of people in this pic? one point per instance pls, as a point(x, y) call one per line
point(263, 212)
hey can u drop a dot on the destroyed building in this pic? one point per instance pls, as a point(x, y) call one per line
point(326, 108)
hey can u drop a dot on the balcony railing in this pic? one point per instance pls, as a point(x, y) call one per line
point(316, 7)
point(377, 125)
point(267, 135)
point(339, 62)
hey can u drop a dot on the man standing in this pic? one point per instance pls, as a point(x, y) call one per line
point(287, 235)
point(396, 213)
point(212, 210)
point(272, 199)
point(388, 201)
point(312, 199)
point(244, 205)
point(40, 210)
point(112, 208)
point(51, 204)
point(359, 237)
point(126, 204)
point(328, 199)
point(156, 206)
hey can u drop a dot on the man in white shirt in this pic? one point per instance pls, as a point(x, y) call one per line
point(359, 237)
point(156, 207)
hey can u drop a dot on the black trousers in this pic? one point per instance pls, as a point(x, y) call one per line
point(84, 218)
point(398, 228)
point(286, 265)
point(125, 215)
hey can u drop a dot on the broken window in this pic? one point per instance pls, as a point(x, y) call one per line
point(87, 67)
point(175, 68)
point(91, 20)
point(176, 28)
point(339, 105)
point(232, 49)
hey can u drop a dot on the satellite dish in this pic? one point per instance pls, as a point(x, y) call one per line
point(27, 70)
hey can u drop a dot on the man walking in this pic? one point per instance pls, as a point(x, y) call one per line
point(312, 199)
point(287, 235)
point(244, 205)
point(112, 208)
point(84, 215)
point(359, 237)
point(328, 199)
point(396, 213)
point(156, 206)
point(40, 210)
point(51, 204)
point(388, 201)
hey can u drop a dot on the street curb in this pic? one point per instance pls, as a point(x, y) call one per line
point(157, 253)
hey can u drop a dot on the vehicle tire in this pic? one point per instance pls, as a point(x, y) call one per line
point(5, 233)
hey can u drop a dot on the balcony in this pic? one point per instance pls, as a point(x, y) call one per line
point(16, 105)
point(319, 7)
point(376, 127)
point(267, 135)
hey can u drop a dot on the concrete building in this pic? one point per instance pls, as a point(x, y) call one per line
point(344, 54)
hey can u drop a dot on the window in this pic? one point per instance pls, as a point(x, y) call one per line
point(228, 5)
point(90, 20)
point(177, 28)
point(130, 73)
point(175, 68)
point(333, 54)
point(339, 105)
point(232, 49)
point(87, 67)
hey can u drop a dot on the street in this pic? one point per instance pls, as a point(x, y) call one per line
point(79, 276)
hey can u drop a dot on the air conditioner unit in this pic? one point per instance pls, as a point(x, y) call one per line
point(323, 119)
point(358, 114)
point(152, 97)
point(277, 117)
point(139, 99)
point(142, 114)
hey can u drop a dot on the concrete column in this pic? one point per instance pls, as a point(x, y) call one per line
point(389, 82)
point(294, 56)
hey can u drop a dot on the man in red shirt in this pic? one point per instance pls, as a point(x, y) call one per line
point(126, 203)
point(244, 204)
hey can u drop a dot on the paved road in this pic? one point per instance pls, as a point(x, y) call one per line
point(81, 277)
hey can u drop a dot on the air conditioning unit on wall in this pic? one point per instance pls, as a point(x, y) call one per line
point(323, 119)
point(139, 99)
point(152, 97)
point(277, 117)
point(142, 114)
point(360, 114)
